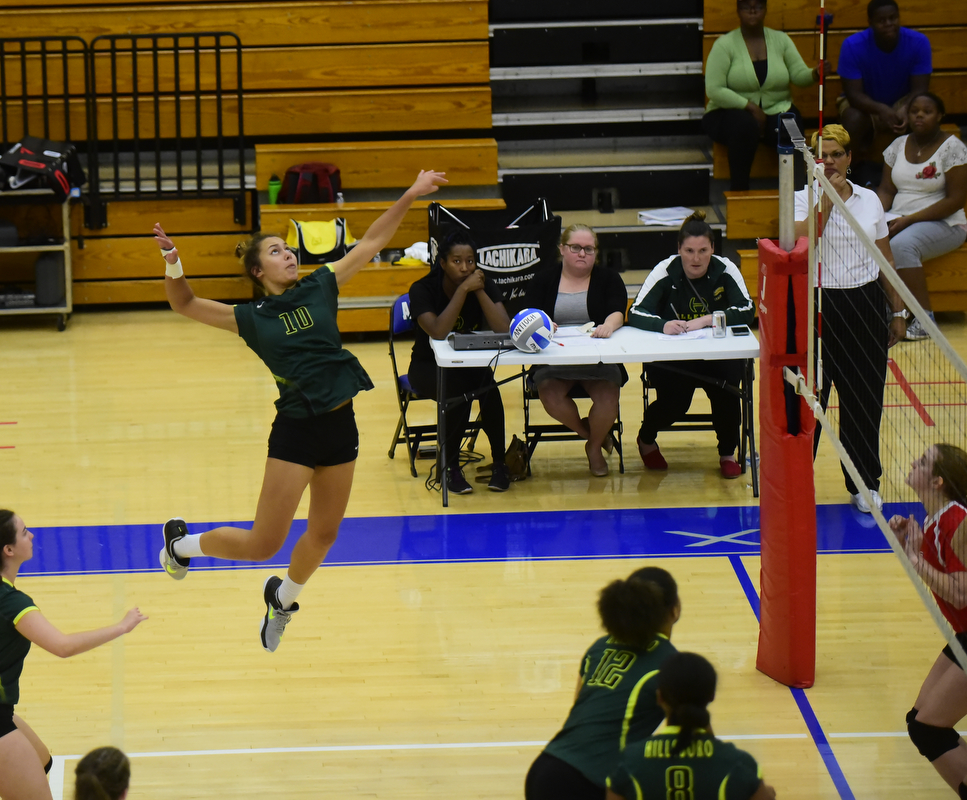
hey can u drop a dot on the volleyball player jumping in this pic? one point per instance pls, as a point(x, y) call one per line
point(938, 552)
point(314, 440)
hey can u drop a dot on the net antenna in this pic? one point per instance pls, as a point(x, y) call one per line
point(910, 423)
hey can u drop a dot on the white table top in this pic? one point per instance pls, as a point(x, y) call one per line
point(627, 345)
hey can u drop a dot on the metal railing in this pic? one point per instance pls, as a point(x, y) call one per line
point(165, 119)
point(44, 89)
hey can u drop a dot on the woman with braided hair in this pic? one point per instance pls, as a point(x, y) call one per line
point(684, 759)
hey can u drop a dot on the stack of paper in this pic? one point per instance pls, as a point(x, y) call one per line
point(666, 217)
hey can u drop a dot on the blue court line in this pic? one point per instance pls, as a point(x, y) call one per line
point(799, 695)
point(639, 533)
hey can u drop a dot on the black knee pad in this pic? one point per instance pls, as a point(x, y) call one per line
point(48, 765)
point(932, 742)
point(911, 715)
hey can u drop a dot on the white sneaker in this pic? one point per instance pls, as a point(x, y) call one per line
point(860, 502)
point(916, 332)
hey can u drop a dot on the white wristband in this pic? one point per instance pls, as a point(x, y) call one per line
point(172, 270)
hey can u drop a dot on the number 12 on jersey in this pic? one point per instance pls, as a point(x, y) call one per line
point(612, 668)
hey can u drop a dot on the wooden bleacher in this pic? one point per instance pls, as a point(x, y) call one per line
point(800, 15)
point(380, 165)
point(313, 69)
point(946, 27)
point(945, 278)
point(766, 163)
point(755, 214)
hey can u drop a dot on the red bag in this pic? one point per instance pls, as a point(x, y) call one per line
point(315, 182)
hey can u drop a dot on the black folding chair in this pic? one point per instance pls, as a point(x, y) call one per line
point(703, 422)
point(537, 432)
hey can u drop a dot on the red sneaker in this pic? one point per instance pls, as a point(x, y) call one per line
point(653, 460)
point(730, 469)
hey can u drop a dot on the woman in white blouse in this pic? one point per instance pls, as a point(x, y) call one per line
point(856, 329)
point(924, 192)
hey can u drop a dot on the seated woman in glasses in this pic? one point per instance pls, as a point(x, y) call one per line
point(576, 293)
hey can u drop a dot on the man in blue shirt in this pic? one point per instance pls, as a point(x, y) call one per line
point(880, 68)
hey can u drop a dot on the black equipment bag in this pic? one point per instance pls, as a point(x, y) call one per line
point(310, 183)
point(512, 244)
point(34, 163)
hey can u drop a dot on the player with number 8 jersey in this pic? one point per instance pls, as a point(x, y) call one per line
point(684, 761)
point(616, 699)
point(314, 439)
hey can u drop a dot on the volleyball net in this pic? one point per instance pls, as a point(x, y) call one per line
point(911, 396)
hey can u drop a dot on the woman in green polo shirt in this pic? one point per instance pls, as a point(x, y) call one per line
point(23, 756)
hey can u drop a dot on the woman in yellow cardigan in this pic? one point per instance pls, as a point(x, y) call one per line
point(747, 79)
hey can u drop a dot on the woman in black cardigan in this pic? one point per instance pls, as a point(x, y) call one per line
point(575, 294)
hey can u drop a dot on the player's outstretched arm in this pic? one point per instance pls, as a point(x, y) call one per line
point(42, 632)
point(180, 296)
point(382, 230)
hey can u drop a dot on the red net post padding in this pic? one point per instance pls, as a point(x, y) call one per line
point(787, 501)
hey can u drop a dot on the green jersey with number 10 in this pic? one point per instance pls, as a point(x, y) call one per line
point(295, 335)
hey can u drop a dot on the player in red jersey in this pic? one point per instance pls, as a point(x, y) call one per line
point(938, 552)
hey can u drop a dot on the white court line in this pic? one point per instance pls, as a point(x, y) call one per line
point(57, 771)
point(56, 777)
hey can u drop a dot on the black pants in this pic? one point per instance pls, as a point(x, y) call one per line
point(855, 336)
point(737, 129)
point(423, 379)
point(675, 392)
point(549, 778)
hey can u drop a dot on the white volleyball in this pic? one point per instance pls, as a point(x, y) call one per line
point(531, 330)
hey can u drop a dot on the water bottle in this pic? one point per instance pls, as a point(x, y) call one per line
point(275, 186)
point(339, 199)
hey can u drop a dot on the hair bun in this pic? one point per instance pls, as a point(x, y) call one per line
point(698, 215)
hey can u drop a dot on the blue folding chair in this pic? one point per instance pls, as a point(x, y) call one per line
point(412, 436)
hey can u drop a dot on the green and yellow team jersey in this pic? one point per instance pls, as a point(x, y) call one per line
point(295, 335)
point(13, 646)
point(708, 769)
point(616, 704)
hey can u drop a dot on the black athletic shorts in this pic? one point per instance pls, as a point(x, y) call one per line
point(6, 720)
point(324, 440)
point(549, 778)
point(948, 651)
